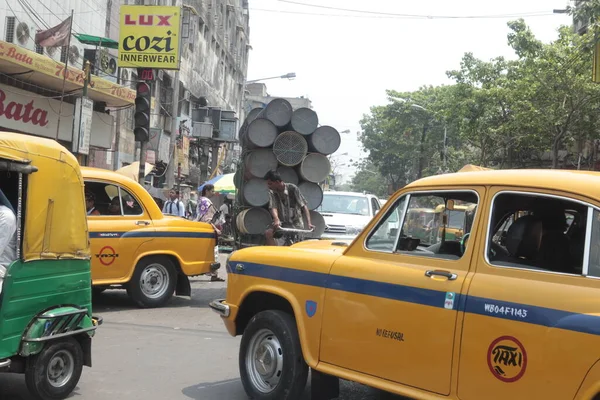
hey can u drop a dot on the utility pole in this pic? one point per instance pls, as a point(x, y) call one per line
point(173, 140)
point(214, 161)
point(117, 153)
point(180, 139)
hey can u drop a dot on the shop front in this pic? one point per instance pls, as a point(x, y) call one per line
point(25, 112)
point(36, 114)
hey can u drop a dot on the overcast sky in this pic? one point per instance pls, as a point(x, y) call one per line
point(345, 64)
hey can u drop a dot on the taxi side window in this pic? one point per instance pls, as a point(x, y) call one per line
point(130, 205)
point(538, 232)
point(383, 238)
point(435, 225)
point(107, 202)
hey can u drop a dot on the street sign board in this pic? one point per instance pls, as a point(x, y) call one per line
point(149, 37)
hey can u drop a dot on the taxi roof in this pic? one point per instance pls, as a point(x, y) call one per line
point(586, 183)
point(100, 173)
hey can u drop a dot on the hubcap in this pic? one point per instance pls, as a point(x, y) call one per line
point(60, 368)
point(264, 361)
point(154, 281)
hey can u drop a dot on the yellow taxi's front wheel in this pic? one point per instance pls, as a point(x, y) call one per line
point(271, 363)
point(153, 282)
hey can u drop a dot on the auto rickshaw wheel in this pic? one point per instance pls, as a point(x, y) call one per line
point(153, 282)
point(54, 373)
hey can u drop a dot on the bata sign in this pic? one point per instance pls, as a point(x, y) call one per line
point(31, 113)
point(149, 37)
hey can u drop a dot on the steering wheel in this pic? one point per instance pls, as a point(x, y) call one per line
point(463, 241)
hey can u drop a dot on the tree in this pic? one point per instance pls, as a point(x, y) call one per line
point(554, 86)
point(500, 113)
point(368, 179)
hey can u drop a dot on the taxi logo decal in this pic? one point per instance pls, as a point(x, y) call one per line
point(107, 255)
point(507, 359)
point(311, 308)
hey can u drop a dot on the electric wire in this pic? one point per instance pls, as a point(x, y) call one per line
point(421, 16)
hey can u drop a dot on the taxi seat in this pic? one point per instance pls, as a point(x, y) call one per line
point(554, 253)
point(523, 241)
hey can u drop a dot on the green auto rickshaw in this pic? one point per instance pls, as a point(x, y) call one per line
point(46, 323)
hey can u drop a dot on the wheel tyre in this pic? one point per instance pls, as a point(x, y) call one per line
point(97, 290)
point(135, 291)
point(294, 371)
point(39, 369)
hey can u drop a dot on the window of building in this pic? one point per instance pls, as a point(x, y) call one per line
point(9, 34)
point(538, 232)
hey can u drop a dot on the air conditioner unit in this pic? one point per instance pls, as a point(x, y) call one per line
point(202, 130)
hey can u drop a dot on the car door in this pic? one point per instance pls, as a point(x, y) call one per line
point(116, 234)
point(531, 326)
point(392, 312)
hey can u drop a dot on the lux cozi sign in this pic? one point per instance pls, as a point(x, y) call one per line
point(149, 37)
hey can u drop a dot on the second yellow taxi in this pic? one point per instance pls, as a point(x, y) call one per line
point(137, 247)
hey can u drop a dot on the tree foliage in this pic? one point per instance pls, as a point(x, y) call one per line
point(539, 109)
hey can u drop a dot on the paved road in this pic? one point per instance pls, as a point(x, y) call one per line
point(181, 351)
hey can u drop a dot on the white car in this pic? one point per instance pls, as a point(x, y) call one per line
point(346, 213)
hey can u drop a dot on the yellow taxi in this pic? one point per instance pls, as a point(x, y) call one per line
point(137, 247)
point(511, 310)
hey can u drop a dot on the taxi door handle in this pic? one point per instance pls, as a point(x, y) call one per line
point(142, 223)
point(437, 272)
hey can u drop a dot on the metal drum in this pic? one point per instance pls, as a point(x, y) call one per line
point(249, 118)
point(325, 140)
point(256, 193)
point(318, 221)
point(312, 193)
point(253, 221)
point(290, 148)
point(314, 168)
point(260, 133)
point(288, 174)
point(304, 121)
point(259, 162)
point(279, 112)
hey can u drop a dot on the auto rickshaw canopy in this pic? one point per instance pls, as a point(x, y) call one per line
point(55, 212)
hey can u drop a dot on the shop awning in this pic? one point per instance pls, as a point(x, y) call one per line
point(46, 72)
point(98, 41)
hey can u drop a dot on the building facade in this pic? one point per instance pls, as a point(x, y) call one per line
point(258, 97)
point(214, 61)
point(33, 77)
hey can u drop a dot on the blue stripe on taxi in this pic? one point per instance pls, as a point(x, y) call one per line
point(526, 313)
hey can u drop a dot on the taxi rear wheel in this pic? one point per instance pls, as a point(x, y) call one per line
point(56, 370)
point(153, 282)
point(272, 366)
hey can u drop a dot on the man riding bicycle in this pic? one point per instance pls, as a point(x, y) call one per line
point(286, 205)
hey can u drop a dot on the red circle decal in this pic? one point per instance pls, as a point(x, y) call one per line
point(107, 255)
point(507, 359)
